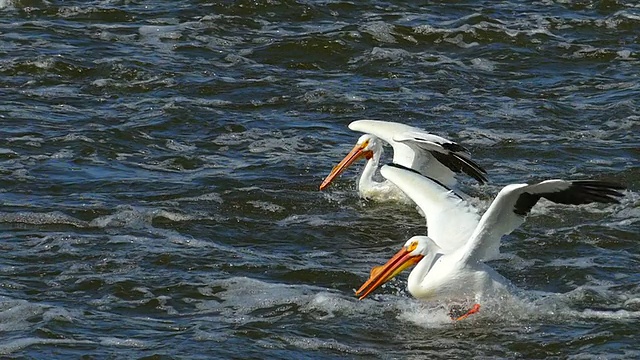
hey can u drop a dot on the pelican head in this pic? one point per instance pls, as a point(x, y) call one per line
point(411, 253)
point(366, 147)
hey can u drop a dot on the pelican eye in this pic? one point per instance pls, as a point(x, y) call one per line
point(364, 144)
point(412, 246)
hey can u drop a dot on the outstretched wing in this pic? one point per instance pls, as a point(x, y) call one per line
point(450, 154)
point(430, 154)
point(514, 202)
point(450, 219)
point(385, 130)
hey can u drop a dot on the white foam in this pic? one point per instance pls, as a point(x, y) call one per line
point(266, 206)
point(159, 31)
point(240, 300)
point(606, 314)
point(521, 307)
point(483, 64)
point(124, 217)
point(178, 146)
point(459, 41)
point(215, 197)
point(74, 137)
point(4, 151)
point(12, 346)
point(60, 314)
point(381, 31)
point(310, 343)
point(53, 217)
point(26, 138)
point(580, 263)
point(62, 154)
point(7, 4)
point(312, 220)
point(122, 342)
point(137, 218)
point(619, 354)
point(423, 314)
point(632, 304)
point(325, 305)
point(14, 314)
point(240, 297)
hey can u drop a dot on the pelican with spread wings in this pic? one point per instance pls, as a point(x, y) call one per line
point(450, 260)
point(429, 154)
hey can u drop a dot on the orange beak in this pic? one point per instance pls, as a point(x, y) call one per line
point(381, 274)
point(356, 153)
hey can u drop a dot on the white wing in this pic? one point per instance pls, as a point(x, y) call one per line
point(450, 219)
point(428, 141)
point(452, 157)
point(509, 209)
point(420, 150)
point(385, 130)
point(403, 154)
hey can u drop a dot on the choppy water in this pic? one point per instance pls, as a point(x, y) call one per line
point(160, 163)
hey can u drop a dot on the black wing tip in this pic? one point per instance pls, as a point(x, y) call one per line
point(580, 192)
point(586, 192)
point(456, 158)
point(479, 172)
point(599, 184)
point(479, 177)
point(446, 144)
point(600, 191)
point(458, 163)
point(455, 147)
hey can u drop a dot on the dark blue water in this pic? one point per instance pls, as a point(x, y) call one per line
point(160, 164)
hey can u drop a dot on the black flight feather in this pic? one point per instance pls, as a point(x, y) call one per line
point(578, 193)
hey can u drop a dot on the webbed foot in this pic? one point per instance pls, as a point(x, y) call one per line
point(458, 312)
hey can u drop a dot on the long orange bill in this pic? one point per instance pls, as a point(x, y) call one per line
point(381, 274)
point(356, 153)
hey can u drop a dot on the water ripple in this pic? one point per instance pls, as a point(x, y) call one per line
point(161, 164)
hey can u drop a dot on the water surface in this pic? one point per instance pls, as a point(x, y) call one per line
point(160, 164)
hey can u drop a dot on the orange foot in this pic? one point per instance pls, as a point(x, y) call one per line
point(456, 313)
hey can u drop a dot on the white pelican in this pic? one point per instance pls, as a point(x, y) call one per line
point(450, 259)
point(429, 154)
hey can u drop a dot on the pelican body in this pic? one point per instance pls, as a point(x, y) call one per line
point(429, 154)
point(450, 260)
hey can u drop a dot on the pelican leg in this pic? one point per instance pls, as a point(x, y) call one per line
point(457, 312)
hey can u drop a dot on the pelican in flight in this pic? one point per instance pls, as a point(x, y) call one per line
point(450, 260)
point(429, 154)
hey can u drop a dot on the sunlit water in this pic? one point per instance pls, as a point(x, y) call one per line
point(160, 164)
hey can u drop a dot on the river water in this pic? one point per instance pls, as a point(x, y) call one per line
point(160, 164)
